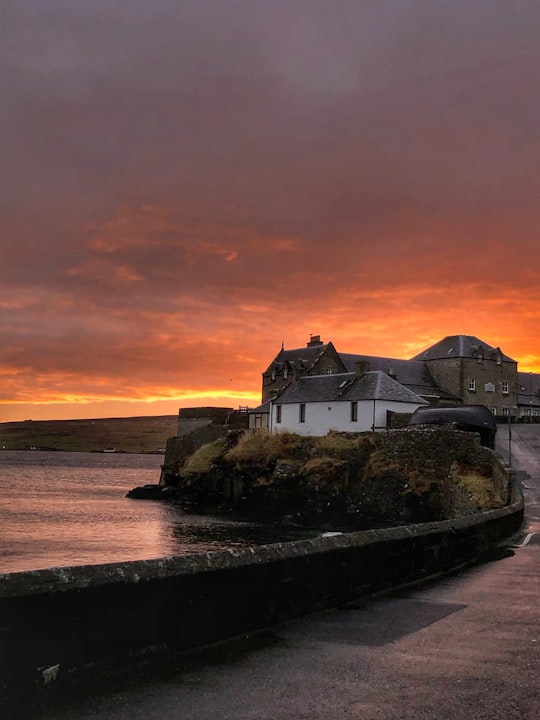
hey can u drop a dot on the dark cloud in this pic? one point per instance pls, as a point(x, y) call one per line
point(218, 175)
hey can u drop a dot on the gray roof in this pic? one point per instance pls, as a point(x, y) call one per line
point(414, 374)
point(260, 409)
point(304, 357)
point(460, 346)
point(347, 387)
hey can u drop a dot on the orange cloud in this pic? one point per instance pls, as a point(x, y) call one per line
point(370, 176)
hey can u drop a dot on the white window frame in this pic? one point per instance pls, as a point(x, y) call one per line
point(505, 387)
point(472, 385)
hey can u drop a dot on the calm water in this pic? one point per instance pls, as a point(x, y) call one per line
point(70, 509)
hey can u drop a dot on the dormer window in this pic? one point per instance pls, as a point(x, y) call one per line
point(285, 372)
point(499, 361)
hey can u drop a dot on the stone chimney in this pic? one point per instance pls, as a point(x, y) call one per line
point(361, 366)
point(314, 340)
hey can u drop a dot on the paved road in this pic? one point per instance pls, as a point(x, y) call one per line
point(466, 648)
point(521, 447)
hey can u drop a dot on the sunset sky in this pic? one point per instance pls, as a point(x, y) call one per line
point(185, 185)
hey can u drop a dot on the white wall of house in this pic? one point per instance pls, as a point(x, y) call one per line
point(321, 417)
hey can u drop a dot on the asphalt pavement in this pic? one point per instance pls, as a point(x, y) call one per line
point(464, 648)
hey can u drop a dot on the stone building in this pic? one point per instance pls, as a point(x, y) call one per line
point(474, 371)
point(460, 369)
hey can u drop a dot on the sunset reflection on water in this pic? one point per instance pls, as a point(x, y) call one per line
point(59, 509)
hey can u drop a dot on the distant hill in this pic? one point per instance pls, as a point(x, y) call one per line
point(135, 435)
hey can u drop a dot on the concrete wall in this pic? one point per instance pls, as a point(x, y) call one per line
point(63, 623)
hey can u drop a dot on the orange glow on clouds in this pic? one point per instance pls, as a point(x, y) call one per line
point(249, 175)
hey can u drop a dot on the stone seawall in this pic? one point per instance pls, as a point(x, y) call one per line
point(60, 624)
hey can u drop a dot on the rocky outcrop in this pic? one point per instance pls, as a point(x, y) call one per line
point(344, 480)
point(147, 492)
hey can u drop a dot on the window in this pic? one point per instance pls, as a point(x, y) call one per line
point(302, 413)
point(285, 372)
point(505, 387)
point(472, 385)
point(329, 371)
point(354, 411)
point(278, 413)
point(506, 411)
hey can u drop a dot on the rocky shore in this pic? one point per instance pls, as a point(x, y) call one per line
point(343, 480)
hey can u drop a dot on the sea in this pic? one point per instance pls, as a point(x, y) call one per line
point(61, 509)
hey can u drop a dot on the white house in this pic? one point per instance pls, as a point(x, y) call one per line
point(352, 402)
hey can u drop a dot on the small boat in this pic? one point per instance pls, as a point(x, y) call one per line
point(109, 450)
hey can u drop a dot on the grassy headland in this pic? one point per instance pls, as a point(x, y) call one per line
point(134, 435)
point(354, 480)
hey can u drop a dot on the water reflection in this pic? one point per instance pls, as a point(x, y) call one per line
point(70, 509)
point(192, 530)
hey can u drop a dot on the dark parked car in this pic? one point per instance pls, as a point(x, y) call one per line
point(472, 418)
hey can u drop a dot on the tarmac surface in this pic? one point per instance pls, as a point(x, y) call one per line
point(466, 647)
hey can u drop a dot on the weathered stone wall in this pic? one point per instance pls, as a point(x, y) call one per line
point(447, 374)
point(453, 375)
point(438, 453)
point(189, 425)
point(181, 447)
point(436, 446)
point(218, 415)
point(197, 426)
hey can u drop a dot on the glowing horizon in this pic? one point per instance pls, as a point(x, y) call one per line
point(169, 401)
